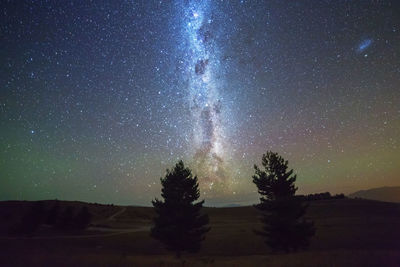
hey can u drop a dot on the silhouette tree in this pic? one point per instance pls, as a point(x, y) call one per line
point(82, 219)
point(179, 223)
point(282, 213)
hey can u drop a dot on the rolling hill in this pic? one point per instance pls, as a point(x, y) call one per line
point(387, 194)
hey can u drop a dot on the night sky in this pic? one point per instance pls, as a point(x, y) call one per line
point(99, 98)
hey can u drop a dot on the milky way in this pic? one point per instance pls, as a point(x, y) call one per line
point(209, 144)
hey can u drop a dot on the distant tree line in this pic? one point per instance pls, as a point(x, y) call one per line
point(66, 219)
point(320, 196)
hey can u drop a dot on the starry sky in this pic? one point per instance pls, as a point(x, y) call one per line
point(99, 98)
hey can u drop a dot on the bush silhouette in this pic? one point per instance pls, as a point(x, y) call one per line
point(65, 220)
point(179, 223)
point(282, 213)
point(32, 219)
point(82, 219)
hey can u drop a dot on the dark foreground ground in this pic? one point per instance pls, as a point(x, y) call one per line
point(349, 233)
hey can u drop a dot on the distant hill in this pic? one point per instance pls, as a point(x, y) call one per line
point(388, 194)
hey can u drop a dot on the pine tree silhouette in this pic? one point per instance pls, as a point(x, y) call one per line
point(282, 213)
point(179, 223)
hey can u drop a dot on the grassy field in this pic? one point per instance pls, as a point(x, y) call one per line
point(349, 233)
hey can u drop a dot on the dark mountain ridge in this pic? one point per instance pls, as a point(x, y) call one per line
point(387, 194)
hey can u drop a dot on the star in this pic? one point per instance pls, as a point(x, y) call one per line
point(121, 87)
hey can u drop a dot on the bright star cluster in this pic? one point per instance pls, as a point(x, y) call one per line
point(98, 98)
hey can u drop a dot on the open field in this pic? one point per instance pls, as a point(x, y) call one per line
point(349, 233)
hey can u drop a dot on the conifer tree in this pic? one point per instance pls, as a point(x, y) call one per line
point(179, 223)
point(284, 226)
